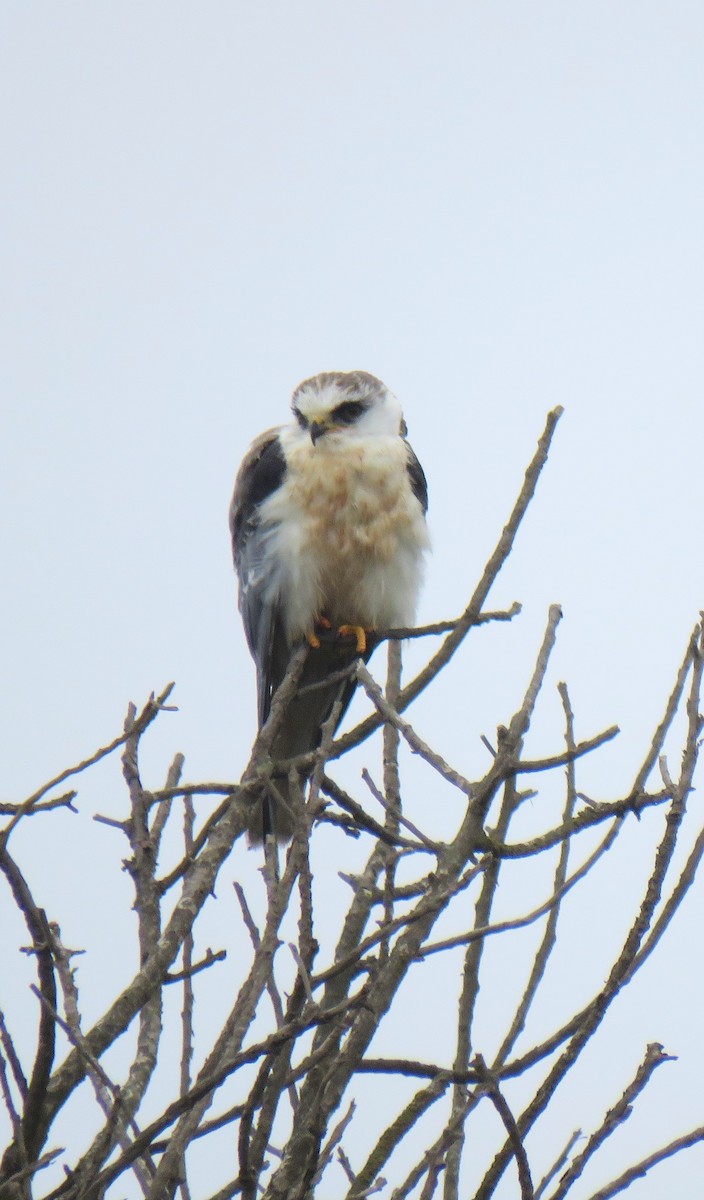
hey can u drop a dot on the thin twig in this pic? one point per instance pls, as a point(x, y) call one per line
point(641, 1168)
point(333, 1143)
point(11, 1055)
point(558, 1164)
point(362, 818)
point(559, 890)
point(209, 958)
point(391, 799)
point(655, 1056)
point(425, 842)
point(433, 1161)
point(481, 932)
point(12, 1113)
point(408, 632)
point(187, 969)
point(63, 801)
point(151, 709)
point(494, 1093)
point(416, 743)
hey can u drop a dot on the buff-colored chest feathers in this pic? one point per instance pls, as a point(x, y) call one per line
point(347, 534)
point(353, 500)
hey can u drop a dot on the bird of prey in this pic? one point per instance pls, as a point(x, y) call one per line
point(328, 535)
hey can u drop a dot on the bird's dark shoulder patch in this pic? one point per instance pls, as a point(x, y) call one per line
point(419, 483)
point(261, 474)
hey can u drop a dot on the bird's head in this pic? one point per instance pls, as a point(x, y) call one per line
point(351, 401)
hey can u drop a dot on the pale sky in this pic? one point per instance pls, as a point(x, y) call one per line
point(496, 208)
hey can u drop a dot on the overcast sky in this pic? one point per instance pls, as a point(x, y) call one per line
point(495, 207)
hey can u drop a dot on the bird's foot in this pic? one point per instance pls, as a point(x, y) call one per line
point(356, 631)
point(321, 623)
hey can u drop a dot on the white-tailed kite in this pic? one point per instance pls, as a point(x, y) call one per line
point(328, 536)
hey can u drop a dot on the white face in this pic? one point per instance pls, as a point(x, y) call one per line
point(366, 409)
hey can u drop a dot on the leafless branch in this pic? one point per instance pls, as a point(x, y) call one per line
point(493, 1091)
point(63, 801)
point(407, 633)
point(640, 1169)
point(558, 1164)
point(283, 1073)
point(8, 1048)
point(654, 1057)
point(149, 712)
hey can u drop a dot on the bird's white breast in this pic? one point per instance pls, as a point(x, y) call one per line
point(347, 535)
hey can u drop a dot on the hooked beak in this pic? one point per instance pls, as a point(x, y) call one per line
point(316, 430)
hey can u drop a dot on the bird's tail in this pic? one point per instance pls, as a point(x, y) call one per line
point(300, 733)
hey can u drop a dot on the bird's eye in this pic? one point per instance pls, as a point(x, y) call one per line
point(300, 418)
point(349, 411)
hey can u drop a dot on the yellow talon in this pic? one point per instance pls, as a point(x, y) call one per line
point(312, 637)
point(358, 632)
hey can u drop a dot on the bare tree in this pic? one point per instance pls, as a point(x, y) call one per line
point(276, 1078)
